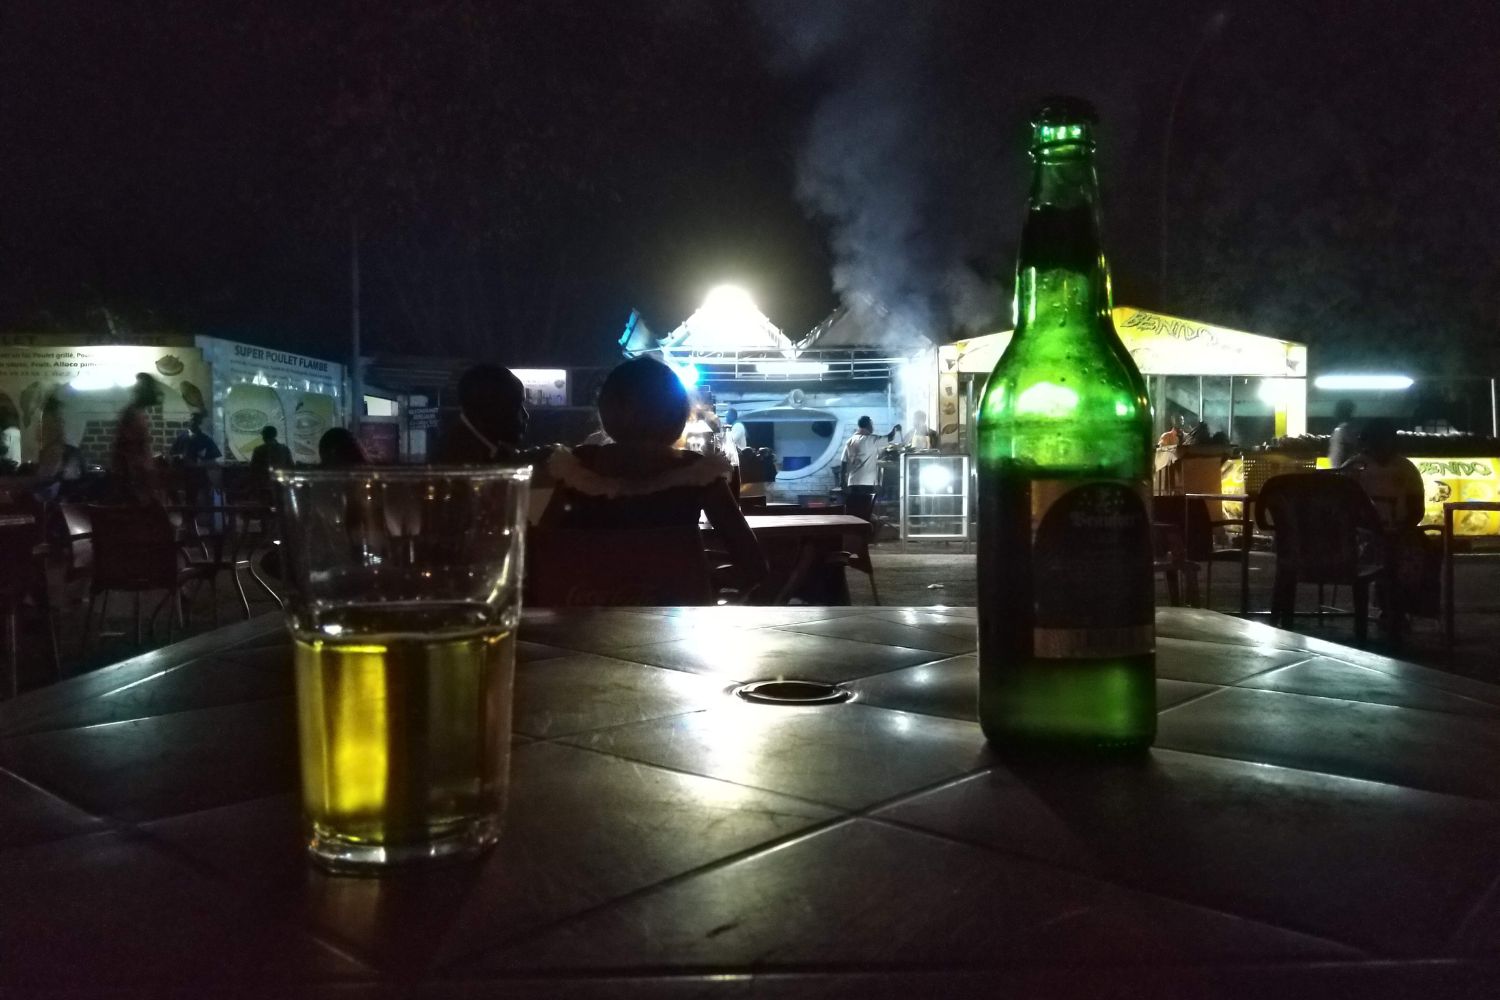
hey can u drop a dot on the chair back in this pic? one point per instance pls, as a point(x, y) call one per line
point(1187, 519)
point(1316, 518)
point(135, 548)
point(20, 534)
point(653, 567)
point(73, 528)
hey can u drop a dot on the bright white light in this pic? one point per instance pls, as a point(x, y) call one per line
point(935, 477)
point(687, 373)
point(729, 300)
point(98, 379)
point(1363, 383)
point(791, 367)
point(1274, 391)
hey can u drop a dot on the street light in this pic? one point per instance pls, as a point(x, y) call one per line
point(1212, 28)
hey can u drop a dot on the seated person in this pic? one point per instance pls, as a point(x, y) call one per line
point(1391, 481)
point(1395, 487)
point(492, 419)
point(641, 480)
point(338, 447)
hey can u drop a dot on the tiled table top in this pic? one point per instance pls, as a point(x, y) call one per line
point(1314, 820)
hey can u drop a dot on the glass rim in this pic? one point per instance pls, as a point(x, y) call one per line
point(404, 473)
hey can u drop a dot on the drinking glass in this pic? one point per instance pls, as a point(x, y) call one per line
point(405, 597)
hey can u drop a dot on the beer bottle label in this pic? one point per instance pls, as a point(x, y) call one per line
point(1091, 566)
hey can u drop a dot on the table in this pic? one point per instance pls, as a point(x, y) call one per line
point(1449, 508)
point(1314, 821)
point(797, 544)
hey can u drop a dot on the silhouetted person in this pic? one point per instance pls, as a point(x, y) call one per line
point(193, 446)
point(1394, 485)
point(269, 454)
point(132, 465)
point(642, 480)
point(1392, 481)
point(338, 447)
point(1345, 439)
point(492, 420)
point(10, 436)
point(734, 431)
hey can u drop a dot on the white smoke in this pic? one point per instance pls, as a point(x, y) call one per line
point(874, 162)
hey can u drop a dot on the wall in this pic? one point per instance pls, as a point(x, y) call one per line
point(92, 382)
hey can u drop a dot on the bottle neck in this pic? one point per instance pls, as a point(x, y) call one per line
point(1062, 276)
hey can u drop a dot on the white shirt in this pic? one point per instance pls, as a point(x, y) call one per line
point(737, 436)
point(862, 459)
point(1342, 444)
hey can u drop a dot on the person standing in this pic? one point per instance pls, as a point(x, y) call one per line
point(269, 454)
point(1345, 440)
point(51, 440)
point(734, 431)
point(862, 469)
point(132, 465)
point(921, 437)
point(10, 436)
point(193, 446)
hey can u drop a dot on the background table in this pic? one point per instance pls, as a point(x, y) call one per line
point(797, 545)
point(1314, 821)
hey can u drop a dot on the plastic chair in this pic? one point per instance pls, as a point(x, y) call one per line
point(1322, 524)
point(1189, 517)
point(1169, 558)
point(656, 567)
point(226, 550)
point(72, 535)
point(23, 580)
point(135, 550)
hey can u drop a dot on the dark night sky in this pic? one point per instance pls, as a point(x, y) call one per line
point(525, 172)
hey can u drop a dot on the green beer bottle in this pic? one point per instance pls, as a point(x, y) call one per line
point(1066, 637)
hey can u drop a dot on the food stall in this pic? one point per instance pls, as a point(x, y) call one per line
point(1245, 385)
point(801, 399)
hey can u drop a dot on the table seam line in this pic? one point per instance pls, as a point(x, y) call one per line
point(1357, 701)
point(843, 815)
point(1493, 803)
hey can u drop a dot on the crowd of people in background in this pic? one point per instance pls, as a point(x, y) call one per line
point(656, 457)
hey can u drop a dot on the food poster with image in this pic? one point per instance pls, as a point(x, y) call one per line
point(94, 385)
point(313, 415)
point(248, 410)
point(254, 387)
point(1449, 480)
point(1445, 480)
